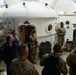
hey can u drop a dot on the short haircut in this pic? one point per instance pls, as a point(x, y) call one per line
point(13, 31)
point(22, 49)
point(61, 23)
point(57, 48)
point(8, 37)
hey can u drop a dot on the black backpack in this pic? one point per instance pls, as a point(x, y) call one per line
point(51, 66)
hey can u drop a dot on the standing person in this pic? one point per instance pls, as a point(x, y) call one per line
point(20, 65)
point(61, 31)
point(15, 43)
point(71, 61)
point(33, 46)
point(8, 52)
point(53, 63)
point(74, 36)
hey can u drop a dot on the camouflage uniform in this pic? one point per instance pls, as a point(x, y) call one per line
point(33, 47)
point(22, 67)
point(62, 64)
point(71, 61)
point(61, 35)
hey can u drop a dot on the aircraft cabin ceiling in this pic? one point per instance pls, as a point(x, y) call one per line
point(11, 2)
point(29, 10)
point(65, 7)
point(50, 2)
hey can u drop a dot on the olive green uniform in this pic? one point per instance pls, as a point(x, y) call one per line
point(22, 67)
point(71, 61)
point(62, 64)
point(61, 35)
point(33, 47)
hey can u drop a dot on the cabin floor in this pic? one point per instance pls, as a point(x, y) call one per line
point(38, 67)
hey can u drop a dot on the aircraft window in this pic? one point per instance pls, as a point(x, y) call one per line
point(67, 22)
point(49, 28)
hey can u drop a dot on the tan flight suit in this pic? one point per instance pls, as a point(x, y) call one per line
point(61, 35)
point(33, 47)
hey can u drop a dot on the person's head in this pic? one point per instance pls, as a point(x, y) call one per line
point(23, 50)
point(57, 48)
point(33, 28)
point(14, 32)
point(9, 38)
point(33, 32)
point(61, 24)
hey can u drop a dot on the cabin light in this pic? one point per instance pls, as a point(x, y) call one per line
point(62, 13)
point(46, 4)
point(6, 5)
point(23, 4)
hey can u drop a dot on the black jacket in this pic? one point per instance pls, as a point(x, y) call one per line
point(8, 53)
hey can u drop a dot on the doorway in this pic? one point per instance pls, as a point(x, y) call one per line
point(24, 32)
